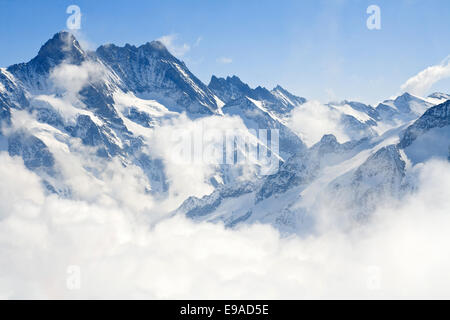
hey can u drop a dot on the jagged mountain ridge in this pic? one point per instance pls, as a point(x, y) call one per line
point(353, 178)
point(160, 86)
point(108, 110)
point(403, 108)
point(63, 47)
point(278, 101)
point(152, 72)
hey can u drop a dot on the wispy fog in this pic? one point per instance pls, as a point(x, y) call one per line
point(123, 250)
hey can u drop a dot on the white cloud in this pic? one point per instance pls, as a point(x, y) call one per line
point(190, 176)
point(225, 60)
point(84, 42)
point(424, 80)
point(72, 78)
point(178, 50)
point(123, 253)
point(312, 120)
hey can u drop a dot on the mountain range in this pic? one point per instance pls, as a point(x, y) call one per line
point(105, 105)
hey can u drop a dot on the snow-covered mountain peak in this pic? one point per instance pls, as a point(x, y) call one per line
point(402, 109)
point(154, 48)
point(279, 101)
point(126, 95)
point(286, 97)
point(61, 47)
point(156, 45)
point(405, 98)
point(403, 103)
point(438, 97)
point(230, 88)
point(152, 72)
point(279, 88)
point(229, 80)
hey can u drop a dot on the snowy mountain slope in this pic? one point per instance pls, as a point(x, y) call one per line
point(280, 199)
point(438, 97)
point(63, 47)
point(279, 101)
point(358, 119)
point(14, 98)
point(150, 71)
point(260, 108)
point(353, 178)
point(287, 99)
point(194, 207)
point(257, 116)
point(73, 92)
point(34, 152)
point(361, 120)
point(12, 95)
point(11, 91)
point(355, 120)
point(305, 166)
point(360, 111)
point(101, 98)
point(60, 60)
point(380, 178)
point(71, 109)
point(404, 108)
point(230, 89)
point(428, 136)
point(241, 209)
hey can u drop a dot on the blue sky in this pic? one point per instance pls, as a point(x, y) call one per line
point(317, 49)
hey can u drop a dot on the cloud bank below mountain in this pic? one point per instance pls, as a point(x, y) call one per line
point(125, 251)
